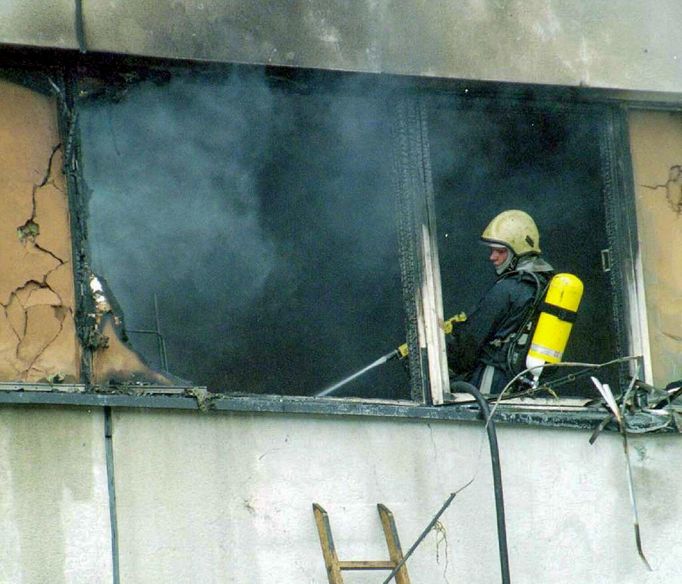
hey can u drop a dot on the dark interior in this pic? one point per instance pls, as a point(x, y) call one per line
point(262, 218)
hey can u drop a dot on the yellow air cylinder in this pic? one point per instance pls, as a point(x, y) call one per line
point(557, 315)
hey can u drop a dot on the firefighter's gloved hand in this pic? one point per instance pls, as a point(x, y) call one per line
point(461, 350)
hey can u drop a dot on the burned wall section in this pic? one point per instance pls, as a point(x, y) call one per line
point(656, 143)
point(37, 331)
point(114, 361)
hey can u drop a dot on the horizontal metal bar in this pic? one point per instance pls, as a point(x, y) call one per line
point(143, 332)
point(367, 565)
point(62, 387)
point(97, 400)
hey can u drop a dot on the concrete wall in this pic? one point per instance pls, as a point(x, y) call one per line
point(656, 143)
point(624, 44)
point(54, 510)
point(226, 497)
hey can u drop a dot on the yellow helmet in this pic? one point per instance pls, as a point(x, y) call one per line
point(513, 229)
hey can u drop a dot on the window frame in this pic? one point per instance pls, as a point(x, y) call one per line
point(625, 272)
point(424, 332)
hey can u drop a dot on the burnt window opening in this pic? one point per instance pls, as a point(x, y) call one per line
point(254, 227)
point(255, 223)
point(492, 156)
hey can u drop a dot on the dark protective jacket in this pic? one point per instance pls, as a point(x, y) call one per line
point(483, 339)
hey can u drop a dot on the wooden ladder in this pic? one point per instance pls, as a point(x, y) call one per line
point(335, 566)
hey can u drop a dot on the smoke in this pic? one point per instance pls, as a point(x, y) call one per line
point(174, 190)
point(261, 214)
point(263, 220)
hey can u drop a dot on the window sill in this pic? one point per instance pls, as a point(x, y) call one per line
point(565, 413)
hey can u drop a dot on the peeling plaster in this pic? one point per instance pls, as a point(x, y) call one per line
point(114, 361)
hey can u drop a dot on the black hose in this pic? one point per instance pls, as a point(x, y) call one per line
point(463, 387)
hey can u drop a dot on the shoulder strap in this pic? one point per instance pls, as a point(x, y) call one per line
point(519, 341)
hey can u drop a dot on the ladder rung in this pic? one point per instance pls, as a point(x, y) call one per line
point(367, 565)
point(335, 567)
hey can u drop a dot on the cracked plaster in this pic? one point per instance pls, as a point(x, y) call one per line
point(37, 330)
point(38, 339)
point(656, 144)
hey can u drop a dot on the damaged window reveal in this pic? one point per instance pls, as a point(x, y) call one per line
point(253, 233)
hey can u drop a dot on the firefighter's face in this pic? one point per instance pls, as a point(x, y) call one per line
point(498, 255)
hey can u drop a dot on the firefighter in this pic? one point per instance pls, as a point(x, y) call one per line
point(478, 349)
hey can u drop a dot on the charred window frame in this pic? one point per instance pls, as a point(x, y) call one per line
point(629, 308)
point(411, 181)
point(419, 251)
point(418, 245)
point(620, 259)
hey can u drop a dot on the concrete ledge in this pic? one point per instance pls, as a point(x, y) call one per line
point(527, 412)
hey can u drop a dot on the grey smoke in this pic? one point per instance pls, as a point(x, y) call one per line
point(264, 221)
point(263, 217)
point(153, 207)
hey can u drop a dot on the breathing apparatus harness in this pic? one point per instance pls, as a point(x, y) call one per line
point(518, 342)
point(546, 327)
